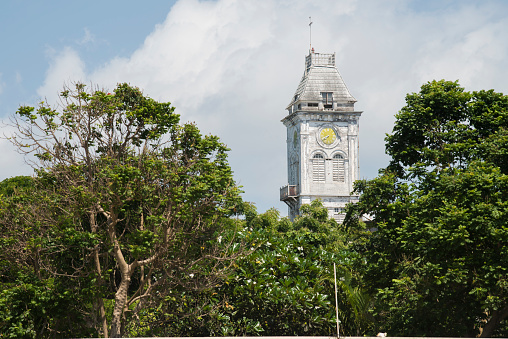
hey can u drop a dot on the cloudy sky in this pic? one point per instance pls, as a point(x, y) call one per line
point(232, 66)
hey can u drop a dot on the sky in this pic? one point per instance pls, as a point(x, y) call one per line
point(232, 66)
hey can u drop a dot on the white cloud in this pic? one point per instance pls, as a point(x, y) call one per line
point(88, 37)
point(66, 67)
point(13, 163)
point(201, 48)
point(473, 58)
point(19, 78)
point(232, 66)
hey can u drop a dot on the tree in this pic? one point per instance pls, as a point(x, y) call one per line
point(438, 262)
point(128, 202)
point(30, 303)
point(284, 287)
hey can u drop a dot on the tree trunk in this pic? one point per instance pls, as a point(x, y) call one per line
point(123, 288)
point(100, 300)
point(120, 301)
point(104, 322)
point(493, 323)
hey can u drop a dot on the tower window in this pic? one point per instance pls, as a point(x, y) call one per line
point(327, 99)
point(312, 104)
point(339, 169)
point(318, 167)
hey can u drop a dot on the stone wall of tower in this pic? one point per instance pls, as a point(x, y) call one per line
point(305, 127)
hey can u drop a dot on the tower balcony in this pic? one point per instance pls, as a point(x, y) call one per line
point(288, 193)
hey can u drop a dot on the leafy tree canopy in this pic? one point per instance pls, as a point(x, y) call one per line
point(285, 286)
point(126, 203)
point(438, 262)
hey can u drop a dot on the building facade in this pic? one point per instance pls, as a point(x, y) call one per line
point(322, 140)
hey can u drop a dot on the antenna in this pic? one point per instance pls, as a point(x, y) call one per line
point(310, 34)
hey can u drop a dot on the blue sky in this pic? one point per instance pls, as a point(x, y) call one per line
point(31, 32)
point(232, 66)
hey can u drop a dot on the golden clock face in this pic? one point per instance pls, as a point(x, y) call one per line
point(327, 136)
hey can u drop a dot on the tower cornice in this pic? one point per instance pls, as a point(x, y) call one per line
point(323, 116)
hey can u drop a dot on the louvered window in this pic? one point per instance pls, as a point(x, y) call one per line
point(318, 167)
point(339, 174)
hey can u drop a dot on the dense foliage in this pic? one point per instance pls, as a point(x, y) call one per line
point(132, 226)
point(284, 287)
point(125, 204)
point(438, 263)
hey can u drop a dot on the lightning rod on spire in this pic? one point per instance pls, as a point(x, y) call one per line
point(310, 34)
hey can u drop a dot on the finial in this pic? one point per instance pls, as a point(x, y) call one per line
point(310, 35)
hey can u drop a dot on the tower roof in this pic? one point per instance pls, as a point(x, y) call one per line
point(321, 76)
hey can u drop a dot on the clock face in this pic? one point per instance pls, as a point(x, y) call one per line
point(295, 139)
point(328, 136)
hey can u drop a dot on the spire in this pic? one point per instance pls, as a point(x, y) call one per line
point(322, 76)
point(310, 34)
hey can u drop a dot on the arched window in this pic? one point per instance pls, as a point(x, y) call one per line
point(318, 167)
point(339, 170)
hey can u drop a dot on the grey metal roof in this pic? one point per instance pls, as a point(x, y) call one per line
point(320, 76)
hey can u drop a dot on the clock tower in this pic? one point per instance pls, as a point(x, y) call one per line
point(322, 140)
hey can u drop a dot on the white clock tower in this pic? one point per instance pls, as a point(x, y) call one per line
point(322, 140)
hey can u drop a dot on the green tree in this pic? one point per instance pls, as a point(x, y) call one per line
point(438, 261)
point(31, 305)
point(127, 202)
point(284, 287)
